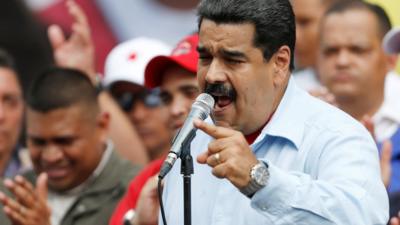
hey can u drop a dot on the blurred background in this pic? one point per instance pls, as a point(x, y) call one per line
point(23, 25)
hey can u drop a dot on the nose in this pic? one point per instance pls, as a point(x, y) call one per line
point(138, 112)
point(180, 106)
point(216, 72)
point(343, 58)
point(52, 154)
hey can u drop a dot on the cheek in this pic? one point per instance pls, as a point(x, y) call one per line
point(201, 80)
point(14, 118)
point(160, 112)
point(35, 154)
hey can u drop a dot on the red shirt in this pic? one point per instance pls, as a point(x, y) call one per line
point(132, 195)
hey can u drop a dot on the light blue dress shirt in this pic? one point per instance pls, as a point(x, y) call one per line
point(323, 166)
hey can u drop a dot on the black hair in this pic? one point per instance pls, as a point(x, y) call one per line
point(24, 37)
point(273, 19)
point(58, 88)
point(6, 61)
point(384, 24)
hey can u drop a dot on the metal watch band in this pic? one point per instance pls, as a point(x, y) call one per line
point(254, 185)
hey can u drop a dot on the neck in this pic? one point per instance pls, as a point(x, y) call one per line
point(359, 107)
point(180, 4)
point(159, 153)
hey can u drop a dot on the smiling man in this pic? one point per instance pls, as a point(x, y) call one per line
point(73, 161)
point(275, 154)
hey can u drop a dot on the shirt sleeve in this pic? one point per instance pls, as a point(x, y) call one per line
point(343, 186)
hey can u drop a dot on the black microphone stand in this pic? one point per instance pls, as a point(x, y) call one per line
point(187, 171)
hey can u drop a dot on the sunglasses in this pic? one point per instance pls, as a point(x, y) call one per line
point(150, 98)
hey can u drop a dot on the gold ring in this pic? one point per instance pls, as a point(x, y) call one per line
point(217, 158)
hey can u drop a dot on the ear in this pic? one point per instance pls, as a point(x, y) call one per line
point(103, 123)
point(281, 64)
point(392, 61)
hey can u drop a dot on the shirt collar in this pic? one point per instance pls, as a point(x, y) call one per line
point(288, 119)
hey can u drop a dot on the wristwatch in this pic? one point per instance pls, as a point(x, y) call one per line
point(259, 176)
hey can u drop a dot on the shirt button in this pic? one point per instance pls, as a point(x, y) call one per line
point(262, 207)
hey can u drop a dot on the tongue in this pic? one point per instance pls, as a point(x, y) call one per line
point(224, 101)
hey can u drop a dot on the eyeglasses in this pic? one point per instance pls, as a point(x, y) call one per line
point(150, 98)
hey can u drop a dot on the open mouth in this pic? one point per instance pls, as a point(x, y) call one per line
point(222, 101)
point(223, 95)
point(57, 173)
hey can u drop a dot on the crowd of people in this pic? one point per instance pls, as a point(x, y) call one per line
point(305, 128)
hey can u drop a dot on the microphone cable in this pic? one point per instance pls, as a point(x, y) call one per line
point(159, 188)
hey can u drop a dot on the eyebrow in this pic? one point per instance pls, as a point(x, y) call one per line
point(225, 53)
point(233, 54)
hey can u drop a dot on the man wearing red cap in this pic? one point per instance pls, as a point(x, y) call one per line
point(176, 76)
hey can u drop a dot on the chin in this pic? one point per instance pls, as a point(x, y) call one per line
point(223, 122)
point(58, 187)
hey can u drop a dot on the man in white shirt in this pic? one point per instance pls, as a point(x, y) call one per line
point(275, 155)
point(353, 66)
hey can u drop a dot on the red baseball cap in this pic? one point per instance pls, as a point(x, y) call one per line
point(184, 55)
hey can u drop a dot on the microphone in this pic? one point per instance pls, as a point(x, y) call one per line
point(201, 108)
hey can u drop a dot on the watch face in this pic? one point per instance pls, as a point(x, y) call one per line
point(261, 175)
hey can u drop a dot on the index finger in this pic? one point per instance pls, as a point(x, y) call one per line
point(76, 11)
point(212, 130)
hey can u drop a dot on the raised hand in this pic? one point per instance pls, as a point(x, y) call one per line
point(30, 204)
point(148, 204)
point(77, 51)
point(229, 154)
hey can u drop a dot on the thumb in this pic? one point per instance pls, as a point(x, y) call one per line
point(41, 186)
point(56, 36)
point(202, 158)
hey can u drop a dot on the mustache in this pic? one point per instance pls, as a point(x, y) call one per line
point(221, 90)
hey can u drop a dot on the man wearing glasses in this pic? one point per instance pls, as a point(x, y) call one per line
point(124, 79)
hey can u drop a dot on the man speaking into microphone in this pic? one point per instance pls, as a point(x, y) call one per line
point(275, 155)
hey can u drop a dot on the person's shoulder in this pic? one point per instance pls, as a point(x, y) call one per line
point(121, 165)
point(148, 171)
